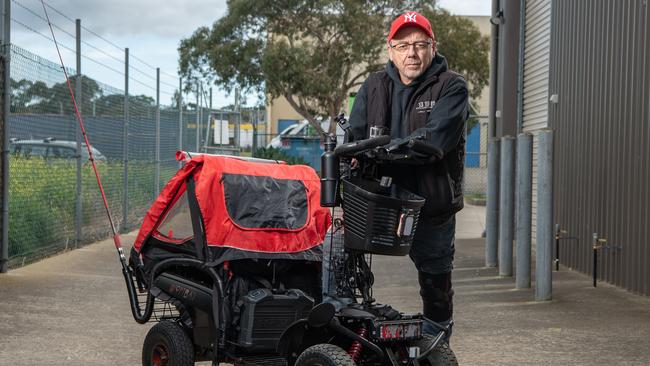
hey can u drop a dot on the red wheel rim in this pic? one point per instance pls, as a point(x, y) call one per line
point(159, 355)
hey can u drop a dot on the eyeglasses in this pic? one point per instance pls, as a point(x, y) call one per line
point(403, 47)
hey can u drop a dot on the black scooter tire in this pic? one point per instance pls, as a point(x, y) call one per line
point(167, 344)
point(324, 355)
point(442, 355)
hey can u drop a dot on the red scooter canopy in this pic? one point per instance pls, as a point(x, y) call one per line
point(250, 206)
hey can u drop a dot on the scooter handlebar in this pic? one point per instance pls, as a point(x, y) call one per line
point(356, 147)
point(424, 148)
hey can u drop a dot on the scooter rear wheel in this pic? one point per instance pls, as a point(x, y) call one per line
point(167, 344)
point(324, 355)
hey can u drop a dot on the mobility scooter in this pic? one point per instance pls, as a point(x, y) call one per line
point(228, 262)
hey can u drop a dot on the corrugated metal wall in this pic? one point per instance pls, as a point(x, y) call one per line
point(537, 39)
point(601, 72)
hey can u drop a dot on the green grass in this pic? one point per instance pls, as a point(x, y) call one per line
point(42, 201)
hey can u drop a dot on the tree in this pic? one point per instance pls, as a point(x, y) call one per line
point(37, 97)
point(466, 50)
point(113, 105)
point(312, 52)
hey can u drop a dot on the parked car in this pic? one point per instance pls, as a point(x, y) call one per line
point(51, 148)
point(292, 129)
point(302, 129)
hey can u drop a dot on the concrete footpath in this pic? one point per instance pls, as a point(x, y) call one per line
point(72, 309)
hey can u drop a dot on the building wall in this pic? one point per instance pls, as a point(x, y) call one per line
point(279, 109)
point(600, 70)
point(537, 44)
point(483, 102)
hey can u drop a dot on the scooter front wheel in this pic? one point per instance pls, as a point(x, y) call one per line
point(324, 355)
point(442, 355)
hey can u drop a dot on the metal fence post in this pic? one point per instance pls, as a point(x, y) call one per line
point(255, 121)
point(198, 117)
point(492, 209)
point(506, 205)
point(157, 173)
point(524, 208)
point(6, 103)
point(125, 203)
point(543, 260)
point(180, 118)
point(78, 92)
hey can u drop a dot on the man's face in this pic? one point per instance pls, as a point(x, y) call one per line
point(414, 59)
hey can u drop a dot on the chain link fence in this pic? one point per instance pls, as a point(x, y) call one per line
point(475, 178)
point(47, 213)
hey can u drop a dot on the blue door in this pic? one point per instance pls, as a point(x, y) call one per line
point(473, 147)
point(284, 123)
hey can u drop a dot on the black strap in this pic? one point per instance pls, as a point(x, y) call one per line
point(197, 222)
point(379, 100)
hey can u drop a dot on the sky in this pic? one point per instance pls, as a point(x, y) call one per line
point(151, 29)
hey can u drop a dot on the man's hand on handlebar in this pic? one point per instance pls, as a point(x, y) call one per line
point(354, 163)
point(411, 151)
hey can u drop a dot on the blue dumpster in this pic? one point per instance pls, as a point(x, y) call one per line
point(308, 148)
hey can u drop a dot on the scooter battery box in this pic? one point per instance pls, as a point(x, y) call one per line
point(265, 315)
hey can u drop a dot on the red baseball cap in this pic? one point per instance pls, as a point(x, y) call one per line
point(410, 18)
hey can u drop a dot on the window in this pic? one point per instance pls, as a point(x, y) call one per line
point(34, 150)
point(260, 202)
point(61, 152)
point(177, 224)
point(310, 131)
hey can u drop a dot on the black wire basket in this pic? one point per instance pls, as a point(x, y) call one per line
point(379, 220)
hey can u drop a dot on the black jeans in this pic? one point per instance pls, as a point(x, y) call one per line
point(433, 249)
point(433, 254)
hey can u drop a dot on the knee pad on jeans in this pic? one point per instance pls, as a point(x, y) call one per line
point(437, 295)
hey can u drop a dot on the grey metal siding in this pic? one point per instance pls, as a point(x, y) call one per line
point(600, 70)
point(537, 38)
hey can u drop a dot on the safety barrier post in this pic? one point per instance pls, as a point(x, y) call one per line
point(545, 234)
point(506, 205)
point(180, 118)
point(492, 209)
point(524, 208)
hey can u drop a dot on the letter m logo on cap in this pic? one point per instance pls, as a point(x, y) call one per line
point(410, 17)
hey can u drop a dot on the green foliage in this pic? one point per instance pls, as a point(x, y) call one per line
point(272, 153)
point(42, 201)
point(466, 50)
point(37, 97)
point(313, 52)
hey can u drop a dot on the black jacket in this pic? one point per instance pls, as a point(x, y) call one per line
point(437, 103)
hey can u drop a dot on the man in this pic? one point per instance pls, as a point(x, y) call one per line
point(416, 95)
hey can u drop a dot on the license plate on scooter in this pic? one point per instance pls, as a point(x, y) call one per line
point(398, 330)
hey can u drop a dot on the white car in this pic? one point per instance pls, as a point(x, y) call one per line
point(303, 129)
point(276, 142)
point(51, 148)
